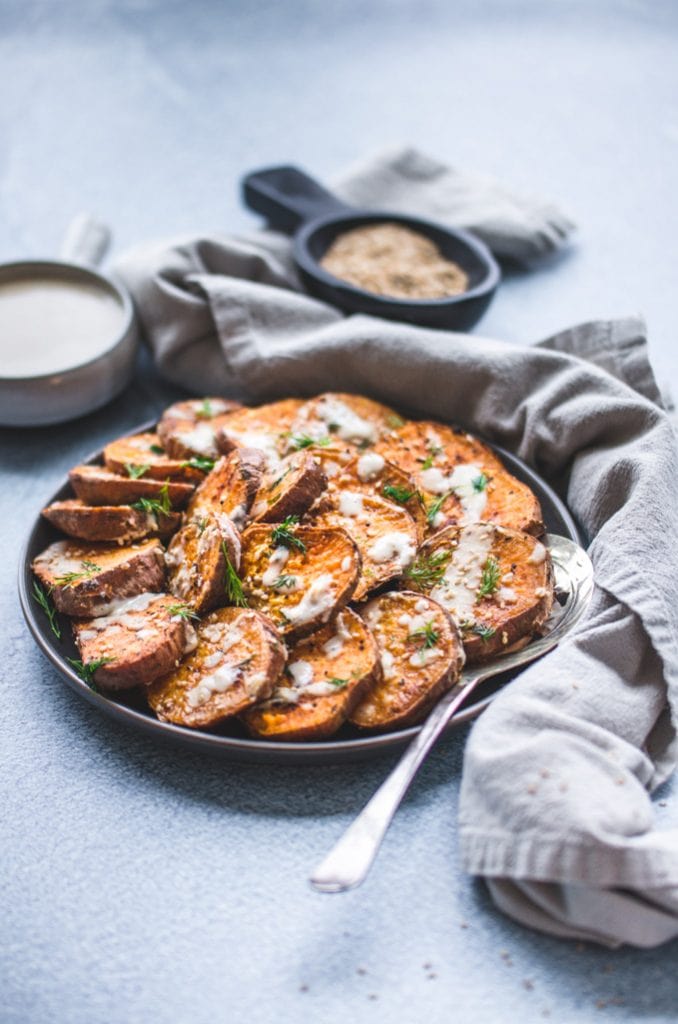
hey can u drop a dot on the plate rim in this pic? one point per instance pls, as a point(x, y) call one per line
point(250, 750)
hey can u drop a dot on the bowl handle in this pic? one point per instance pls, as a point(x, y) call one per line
point(288, 197)
point(86, 241)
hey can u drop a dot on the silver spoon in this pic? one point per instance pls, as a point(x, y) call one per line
point(349, 861)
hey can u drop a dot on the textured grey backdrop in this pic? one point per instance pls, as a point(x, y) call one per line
point(143, 884)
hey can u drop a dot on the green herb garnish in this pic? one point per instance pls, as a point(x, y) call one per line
point(282, 534)
point(399, 494)
point(484, 632)
point(69, 578)
point(135, 472)
point(427, 635)
point(48, 608)
point(155, 506)
point(338, 683)
point(200, 462)
point(427, 570)
point(284, 582)
point(182, 611)
point(480, 483)
point(432, 452)
point(394, 421)
point(86, 670)
point(298, 441)
point(205, 412)
point(233, 584)
point(489, 581)
point(157, 449)
point(434, 508)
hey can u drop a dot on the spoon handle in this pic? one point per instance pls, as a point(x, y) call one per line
point(349, 861)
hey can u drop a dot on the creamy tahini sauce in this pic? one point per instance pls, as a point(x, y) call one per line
point(458, 589)
point(48, 325)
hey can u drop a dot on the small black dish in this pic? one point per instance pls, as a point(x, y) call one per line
point(296, 204)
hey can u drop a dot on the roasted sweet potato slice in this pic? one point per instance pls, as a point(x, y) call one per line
point(141, 639)
point(291, 490)
point(421, 657)
point(188, 429)
point(202, 559)
point(96, 485)
point(352, 419)
point(84, 579)
point(370, 473)
point(301, 577)
point(237, 662)
point(461, 479)
point(193, 410)
point(497, 584)
point(327, 674)
point(384, 533)
point(146, 455)
point(231, 487)
point(121, 524)
point(265, 428)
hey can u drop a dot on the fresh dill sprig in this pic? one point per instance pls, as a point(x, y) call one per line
point(484, 632)
point(428, 636)
point(182, 611)
point(48, 608)
point(232, 583)
point(86, 670)
point(69, 578)
point(200, 462)
point(284, 582)
point(134, 471)
point(427, 570)
point(157, 449)
point(283, 535)
point(394, 421)
point(480, 483)
point(155, 506)
point(298, 441)
point(339, 684)
point(400, 494)
point(434, 507)
point(205, 412)
point(489, 581)
point(432, 452)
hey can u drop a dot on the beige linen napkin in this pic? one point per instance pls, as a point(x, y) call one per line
point(555, 805)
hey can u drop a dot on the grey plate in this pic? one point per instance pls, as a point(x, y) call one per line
point(231, 742)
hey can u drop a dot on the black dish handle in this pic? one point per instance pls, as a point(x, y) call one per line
point(287, 197)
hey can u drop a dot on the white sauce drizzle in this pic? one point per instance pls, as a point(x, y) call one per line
point(461, 482)
point(276, 564)
point(393, 547)
point(538, 555)
point(349, 425)
point(317, 602)
point(351, 503)
point(200, 439)
point(370, 465)
point(457, 591)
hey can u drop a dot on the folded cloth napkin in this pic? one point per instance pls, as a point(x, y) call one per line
point(555, 809)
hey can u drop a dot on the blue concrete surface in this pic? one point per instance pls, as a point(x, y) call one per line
point(140, 884)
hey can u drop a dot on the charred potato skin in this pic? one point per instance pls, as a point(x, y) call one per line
point(406, 700)
point(231, 487)
point(197, 560)
point(125, 572)
point(129, 661)
point(325, 551)
point(97, 485)
point(168, 697)
point(317, 718)
point(120, 524)
point(511, 547)
point(291, 492)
